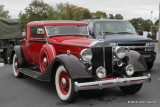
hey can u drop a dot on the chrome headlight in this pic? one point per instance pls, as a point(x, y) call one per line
point(150, 44)
point(129, 70)
point(120, 52)
point(101, 72)
point(86, 55)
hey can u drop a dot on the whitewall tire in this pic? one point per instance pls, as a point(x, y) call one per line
point(16, 73)
point(64, 85)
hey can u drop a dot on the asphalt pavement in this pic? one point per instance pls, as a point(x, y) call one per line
point(28, 92)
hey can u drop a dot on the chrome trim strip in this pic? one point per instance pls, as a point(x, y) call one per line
point(112, 83)
point(135, 47)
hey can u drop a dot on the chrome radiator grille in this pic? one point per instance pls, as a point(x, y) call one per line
point(98, 60)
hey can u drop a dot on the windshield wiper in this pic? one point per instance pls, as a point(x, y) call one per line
point(109, 32)
point(124, 33)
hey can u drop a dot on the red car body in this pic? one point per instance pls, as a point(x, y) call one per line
point(32, 46)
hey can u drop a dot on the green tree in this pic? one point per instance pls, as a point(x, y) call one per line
point(147, 25)
point(99, 14)
point(141, 24)
point(4, 13)
point(72, 12)
point(37, 10)
point(118, 16)
point(24, 19)
point(111, 16)
point(137, 23)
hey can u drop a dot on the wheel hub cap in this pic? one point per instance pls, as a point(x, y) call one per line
point(63, 82)
point(16, 64)
point(44, 61)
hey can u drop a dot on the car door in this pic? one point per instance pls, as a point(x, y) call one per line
point(36, 42)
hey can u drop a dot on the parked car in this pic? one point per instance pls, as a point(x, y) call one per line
point(122, 33)
point(61, 51)
point(10, 35)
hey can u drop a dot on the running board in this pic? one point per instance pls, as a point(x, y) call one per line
point(45, 76)
point(29, 72)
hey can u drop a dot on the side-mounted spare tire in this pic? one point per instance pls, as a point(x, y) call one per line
point(47, 54)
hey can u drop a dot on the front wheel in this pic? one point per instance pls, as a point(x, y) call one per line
point(132, 89)
point(150, 65)
point(64, 85)
point(17, 74)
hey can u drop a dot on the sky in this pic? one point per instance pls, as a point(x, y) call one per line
point(127, 8)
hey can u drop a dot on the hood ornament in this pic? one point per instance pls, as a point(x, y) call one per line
point(103, 35)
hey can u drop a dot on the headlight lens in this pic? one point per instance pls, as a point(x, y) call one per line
point(101, 72)
point(86, 55)
point(120, 52)
point(129, 70)
point(150, 44)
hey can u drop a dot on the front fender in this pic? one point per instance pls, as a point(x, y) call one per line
point(137, 60)
point(75, 69)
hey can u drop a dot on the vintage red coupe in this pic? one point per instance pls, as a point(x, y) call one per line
point(61, 51)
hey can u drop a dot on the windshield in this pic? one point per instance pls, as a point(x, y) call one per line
point(114, 27)
point(66, 30)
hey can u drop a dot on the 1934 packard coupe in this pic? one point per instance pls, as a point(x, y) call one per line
point(61, 52)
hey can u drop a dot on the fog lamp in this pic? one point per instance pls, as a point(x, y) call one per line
point(101, 72)
point(129, 70)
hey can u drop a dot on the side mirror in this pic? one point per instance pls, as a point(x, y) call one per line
point(140, 32)
point(40, 31)
point(23, 33)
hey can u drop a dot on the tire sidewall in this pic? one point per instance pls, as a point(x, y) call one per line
point(16, 74)
point(60, 94)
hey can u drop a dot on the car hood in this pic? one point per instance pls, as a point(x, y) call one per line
point(80, 41)
point(126, 38)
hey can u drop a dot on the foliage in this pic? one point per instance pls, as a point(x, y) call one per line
point(118, 16)
point(111, 16)
point(99, 15)
point(4, 13)
point(141, 24)
point(38, 10)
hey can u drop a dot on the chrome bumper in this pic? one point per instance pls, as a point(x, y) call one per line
point(111, 83)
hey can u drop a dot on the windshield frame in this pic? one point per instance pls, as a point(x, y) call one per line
point(87, 30)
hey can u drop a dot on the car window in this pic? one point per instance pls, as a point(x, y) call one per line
point(37, 32)
point(90, 25)
point(67, 30)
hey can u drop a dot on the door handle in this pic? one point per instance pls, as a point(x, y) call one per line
point(28, 44)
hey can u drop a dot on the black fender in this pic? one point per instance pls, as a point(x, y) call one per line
point(20, 55)
point(75, 69)
point(137, 60)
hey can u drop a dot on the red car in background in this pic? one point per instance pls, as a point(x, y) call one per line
point(61, 52)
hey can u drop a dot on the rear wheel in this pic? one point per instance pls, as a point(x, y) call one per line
point(9, 54)
point(5, 55)
point(17, 74)
point(64, 85)
point(132, 89)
